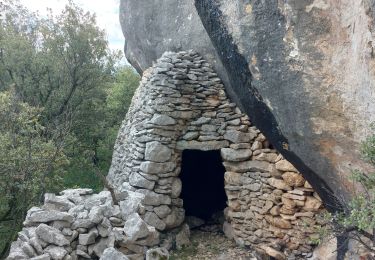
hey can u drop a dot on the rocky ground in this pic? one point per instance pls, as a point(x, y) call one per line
point(209, 243)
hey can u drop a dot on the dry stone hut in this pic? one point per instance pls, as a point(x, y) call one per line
point(191, 151)
point(183, 149)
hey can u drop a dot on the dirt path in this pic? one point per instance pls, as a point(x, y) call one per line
point(209, 243)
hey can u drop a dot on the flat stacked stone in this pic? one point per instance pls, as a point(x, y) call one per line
point(181, 104)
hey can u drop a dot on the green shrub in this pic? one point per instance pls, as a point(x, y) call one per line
point(357, 220)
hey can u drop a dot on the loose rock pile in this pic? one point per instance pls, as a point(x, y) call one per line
point(81, 225)
point(180, 104)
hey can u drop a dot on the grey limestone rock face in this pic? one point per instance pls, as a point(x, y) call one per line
point(291, 66)
point(159, 34)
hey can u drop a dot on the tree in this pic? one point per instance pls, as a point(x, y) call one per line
point(25, 159)
point(59, 71)
point(99, 134)
point(61, 63)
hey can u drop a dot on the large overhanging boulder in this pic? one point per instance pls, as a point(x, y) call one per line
point(302, 70)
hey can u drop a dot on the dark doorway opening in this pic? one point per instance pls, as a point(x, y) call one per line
point(202, 176)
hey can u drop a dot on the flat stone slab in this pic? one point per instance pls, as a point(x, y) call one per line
point(163, 120)
point(247, 166)
point(203, 146)
point(156, 168)
point(233, 155)
point(45, 216)
point(51, 235)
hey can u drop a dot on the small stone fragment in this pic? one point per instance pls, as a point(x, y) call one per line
point(159, 253)
point(113, 254)
point(162, 211)
point(88, 239)
point(53, 202)
point(162, 120)
point(285, 166)
point(312, 204)
point(274, 253)
point(56, 252)
point(41, 257)
point(183, 237)
point(278, 184)
point(51, 235)
point(152, 219)
point(293, 179)
point(135, 227)
point(194, 222)
point(138, 181)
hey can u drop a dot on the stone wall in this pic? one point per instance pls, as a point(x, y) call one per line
point(180, 104)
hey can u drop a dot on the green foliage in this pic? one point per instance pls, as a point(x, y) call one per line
point(62, 100)
point(26, 160)
point(361, 209)
point(121, 93)
point(368, 147)
point(357, 221)
point(96, 131)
